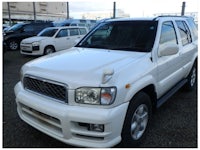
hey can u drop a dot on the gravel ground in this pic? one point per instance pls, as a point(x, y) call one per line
point(173, 125)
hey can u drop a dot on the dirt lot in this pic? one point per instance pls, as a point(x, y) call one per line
point(173, 125)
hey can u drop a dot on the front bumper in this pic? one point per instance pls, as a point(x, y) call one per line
point(61, 121)
point(28, 49)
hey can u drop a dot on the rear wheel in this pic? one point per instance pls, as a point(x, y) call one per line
point(192, 78)
point(137, 120)
point(49, 50)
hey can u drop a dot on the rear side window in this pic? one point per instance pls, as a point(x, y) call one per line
point(73, 24)
point(168, 34)
point(82, 31)
point(73, 32)
point(193, 28)
point(184, 32)
point(81, 25)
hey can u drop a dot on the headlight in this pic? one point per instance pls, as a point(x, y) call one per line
point(95, 96)
point(35, 43)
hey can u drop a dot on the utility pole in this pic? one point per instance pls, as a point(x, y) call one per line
point(34, 12)
point(9, 13)
point(183, 9)
point(114, 9)
point(67, 10)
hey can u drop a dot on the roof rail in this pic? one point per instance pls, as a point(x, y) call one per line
point(168, 16)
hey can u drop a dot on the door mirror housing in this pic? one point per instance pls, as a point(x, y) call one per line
point(168, 49)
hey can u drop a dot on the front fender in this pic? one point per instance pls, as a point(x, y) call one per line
point(139, 85)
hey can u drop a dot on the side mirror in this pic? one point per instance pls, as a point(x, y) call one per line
point(168, 49)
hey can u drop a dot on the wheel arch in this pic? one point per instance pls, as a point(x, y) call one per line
point(151, 92)
point(52, 46)
point(146, 85)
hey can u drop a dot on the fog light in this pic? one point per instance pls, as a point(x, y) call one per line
point(96, 127)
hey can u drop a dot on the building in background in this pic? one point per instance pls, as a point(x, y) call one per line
point(55, 11)
point(97, 15)
point(24, 11)
point(48, 11)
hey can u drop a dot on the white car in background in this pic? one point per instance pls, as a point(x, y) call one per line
point(52, 39)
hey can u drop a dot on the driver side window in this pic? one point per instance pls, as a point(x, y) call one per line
point(168, 34)
point(63, 33)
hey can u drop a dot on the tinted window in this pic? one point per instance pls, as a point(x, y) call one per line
point(81, 25)
point(193, 28)
point(82, 31)
point(16, 27)
point(184, 31)
point(28, 28)
point(63, 33)
point(61, 24)
point(168, 34)
point(122, 35)
point(73, 24)
point(48, 32)
point(40, 26)
point(73, 32)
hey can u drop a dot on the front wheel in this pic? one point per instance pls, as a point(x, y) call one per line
point(49, 50)
point(13, 45)
point(137, 120)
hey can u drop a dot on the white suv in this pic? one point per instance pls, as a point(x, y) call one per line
point(103, 90)
point(52, 39)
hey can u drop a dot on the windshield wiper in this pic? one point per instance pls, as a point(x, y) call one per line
point(136, 49)
point(122, 48)
point(93, 46)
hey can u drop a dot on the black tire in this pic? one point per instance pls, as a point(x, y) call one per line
point(192, 79)
point(13, 45)
point(49, 50)
point(137, 120)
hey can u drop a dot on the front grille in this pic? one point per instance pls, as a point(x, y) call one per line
point(26, 47)
point(46, 87)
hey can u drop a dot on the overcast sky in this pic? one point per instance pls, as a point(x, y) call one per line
point(136, 8)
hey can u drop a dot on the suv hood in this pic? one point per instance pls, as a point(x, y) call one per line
point(34, 39)
point(80, 66)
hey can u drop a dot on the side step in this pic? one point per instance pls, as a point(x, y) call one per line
point(170, 93)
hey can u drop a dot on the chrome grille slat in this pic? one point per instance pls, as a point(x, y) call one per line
point(46, 87)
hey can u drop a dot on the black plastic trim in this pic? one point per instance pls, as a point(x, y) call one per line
point(170, 93)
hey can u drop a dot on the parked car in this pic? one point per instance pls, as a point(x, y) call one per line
point(52, 39)
point(5, 27)
point(76, 22)
point(4, 47)
point(15, 34)
point(103, 91)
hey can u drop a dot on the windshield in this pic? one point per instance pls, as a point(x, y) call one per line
point(48, 32)
point(16, 27)
point(122, 35)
